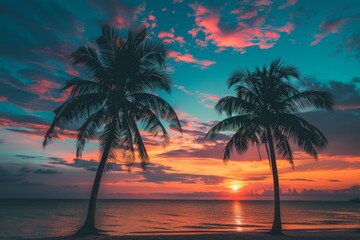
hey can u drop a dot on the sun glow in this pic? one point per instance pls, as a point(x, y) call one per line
point(235, 187)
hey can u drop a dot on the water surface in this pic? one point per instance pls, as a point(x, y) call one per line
point(45, 218)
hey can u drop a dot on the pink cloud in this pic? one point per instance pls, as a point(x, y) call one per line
point(152, 20)
point(33, 128)
point(3, 99)
point(188, 58)
point(288, 3)
point(180, 40)
point(169, 37)
point(152, 17)
point(288, 28)
point(182, 88)
point(328, 27)
point(72, 72)
point(262, 3)
point(211, 97)
point(44, 89)
point(199, 9)
point(247, 34)
point(193, 32)
point(201, 43)
point(204, 98)
point(248, 15)
point(347, 107)
point(318, 38)
point(43, 86)
point(164, 34)
point(121, 22)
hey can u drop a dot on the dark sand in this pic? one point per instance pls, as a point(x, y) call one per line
point(352, 234)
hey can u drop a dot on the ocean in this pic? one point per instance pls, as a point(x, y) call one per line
point(48, 218)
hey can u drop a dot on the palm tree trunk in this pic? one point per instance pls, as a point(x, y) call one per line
point(89, 224)
point(276, 228)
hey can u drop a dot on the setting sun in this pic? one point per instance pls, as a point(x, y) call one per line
point(235, 188)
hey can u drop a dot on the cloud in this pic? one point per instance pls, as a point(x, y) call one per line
point(193, 32)
point(28, 157)
point(89, 165)
point(36, 94)
point(6, 176)
point(160, 174)
point(344, 137)
point(287, 3)
point(250, 30)
point(31, 125)
point(298, 180)
point(169, 37)
point(169, 34)
point(328, 163)
point(188, 58)
point(351, 46)
point(255, 178)
point(45, 171)
point(118, 13)
point(331, 26)
point(206, 99)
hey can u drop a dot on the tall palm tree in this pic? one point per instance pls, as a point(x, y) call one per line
point(116, 99)
point(265, 112)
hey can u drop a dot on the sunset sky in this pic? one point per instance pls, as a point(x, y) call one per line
point(208, 40)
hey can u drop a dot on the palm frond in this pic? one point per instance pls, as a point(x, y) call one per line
point(229, 124)
point(141, 149)
point(73, 110)
point(244, 77)
point(160, 107)
point(303, 133)
point(110, 139)
point(88, 58)
point(149, 121)
point(109, 43)
point(309, 100)
point(240, 140)
point(90, 129)
point(127, 145)
point(80, 86)
point(234, 105)
point(150, 79)
point(283, 146)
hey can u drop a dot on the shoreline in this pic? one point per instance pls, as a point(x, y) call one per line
point(314, 234)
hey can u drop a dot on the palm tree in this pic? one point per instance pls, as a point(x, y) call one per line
point(116, 99)
point(265, 112)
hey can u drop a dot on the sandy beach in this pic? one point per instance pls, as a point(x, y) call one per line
point(352, 234)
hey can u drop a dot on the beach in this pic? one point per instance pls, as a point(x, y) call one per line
point(352, 234)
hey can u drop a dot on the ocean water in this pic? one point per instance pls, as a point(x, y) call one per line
point(45, 218)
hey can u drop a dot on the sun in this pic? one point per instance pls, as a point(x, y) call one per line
point(235, 187)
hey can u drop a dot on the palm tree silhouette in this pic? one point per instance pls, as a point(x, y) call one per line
point(265, 112)
point(115, 96)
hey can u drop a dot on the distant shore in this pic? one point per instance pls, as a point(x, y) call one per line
point(349, 234)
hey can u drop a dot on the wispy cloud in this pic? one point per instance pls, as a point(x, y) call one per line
point(189, 58)
point(331, 26)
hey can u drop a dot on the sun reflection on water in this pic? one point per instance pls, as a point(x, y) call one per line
point(237, 214)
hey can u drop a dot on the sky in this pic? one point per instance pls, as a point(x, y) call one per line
point(207, 41)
